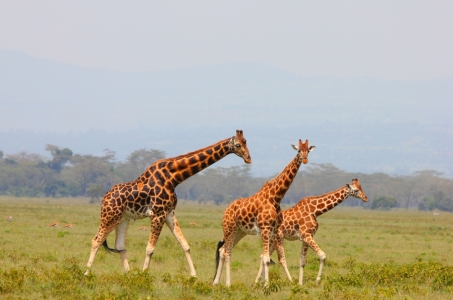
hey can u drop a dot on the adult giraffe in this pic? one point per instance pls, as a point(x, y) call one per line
point(258, 214)
point(153, 195)
point(299, 223)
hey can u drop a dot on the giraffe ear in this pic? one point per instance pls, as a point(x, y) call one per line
point(295, 147)
point(311, 148)
point(348, 186)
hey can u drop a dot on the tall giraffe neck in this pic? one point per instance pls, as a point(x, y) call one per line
point(326, 202)
point(184, 166)
point(279, 185)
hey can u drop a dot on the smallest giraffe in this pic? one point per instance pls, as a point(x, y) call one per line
point(53, 224)
point(299, 223)
point(67, 226)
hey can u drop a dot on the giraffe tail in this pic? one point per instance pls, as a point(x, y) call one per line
point(217, 256)
point(106, 247)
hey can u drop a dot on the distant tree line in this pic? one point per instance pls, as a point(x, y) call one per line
point(67, 174)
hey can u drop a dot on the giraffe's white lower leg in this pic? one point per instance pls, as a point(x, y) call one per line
point(172, 223)
point(301, 269)
point(94, 249)
point(266, 261)
point(282, 258)
point(120, 241)
point(218, 274)
point(149, 254)
point(322, 258)
point(260, 271)
point(228, 270)
point(124, 260)
point(282, 262)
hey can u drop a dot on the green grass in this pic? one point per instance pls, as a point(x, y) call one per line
point(370, 255)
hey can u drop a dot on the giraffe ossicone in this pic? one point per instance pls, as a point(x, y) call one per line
point(299, 223)
point(257, 214)
point(153, 195)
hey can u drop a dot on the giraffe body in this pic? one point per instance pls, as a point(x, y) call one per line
point(153, 195)
point(299, 223)
point(257, 215)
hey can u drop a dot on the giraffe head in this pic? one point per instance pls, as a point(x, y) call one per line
point(355, 190)
point(303, 150)
point(238, 146)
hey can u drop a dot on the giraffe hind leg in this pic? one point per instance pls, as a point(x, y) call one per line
point(100, 239)
point(217, 255)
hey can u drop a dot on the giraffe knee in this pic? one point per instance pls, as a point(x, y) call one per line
point(322, 256)
point(149, 250)
point(266, 259)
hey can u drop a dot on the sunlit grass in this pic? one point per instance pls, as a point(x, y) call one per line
point(370, 254)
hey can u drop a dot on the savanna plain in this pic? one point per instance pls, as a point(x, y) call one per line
point(396, 254)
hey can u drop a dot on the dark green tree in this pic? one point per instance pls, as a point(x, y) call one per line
point(384, 202)
point(59, 157)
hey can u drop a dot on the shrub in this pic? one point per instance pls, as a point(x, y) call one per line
point(384, 202)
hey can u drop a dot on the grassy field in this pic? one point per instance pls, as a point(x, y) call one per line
point(370, 255)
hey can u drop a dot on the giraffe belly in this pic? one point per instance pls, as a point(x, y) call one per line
point(141, 213)
point(292, 237)
point(251, 229)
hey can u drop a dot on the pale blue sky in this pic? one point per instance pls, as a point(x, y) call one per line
point(403, 40)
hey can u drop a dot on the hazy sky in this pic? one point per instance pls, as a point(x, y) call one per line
point(404, 40)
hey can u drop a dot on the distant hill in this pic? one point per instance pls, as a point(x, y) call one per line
point(359, 125)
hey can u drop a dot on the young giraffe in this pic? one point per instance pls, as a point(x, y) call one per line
point(258, 214)
point(299, 223)
point(153, 195)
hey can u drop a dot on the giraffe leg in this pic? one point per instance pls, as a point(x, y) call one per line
point(265, 258)
point(157, 221)
point(172, 223)
point(281, 256)
point(98, 239)
point(303, 255)
point(260, 270)
point(225, 256)
point(120, 241)
point(322, 256)
point(221, 260)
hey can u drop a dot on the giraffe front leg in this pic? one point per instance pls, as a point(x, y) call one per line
point(120, 241)
point(322, 256)
point(94, 249)
point(281, 256)
point(172, 223)
point(157, 221)
point(303, 257)
point(265, 258)
point(260, 271)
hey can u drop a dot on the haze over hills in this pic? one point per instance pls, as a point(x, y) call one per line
point(359, 125)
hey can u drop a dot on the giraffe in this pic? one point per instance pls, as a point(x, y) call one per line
point(299, 223)
point(153, 195)
point(258, 214)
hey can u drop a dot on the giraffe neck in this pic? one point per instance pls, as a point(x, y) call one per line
point(279, 185)
point(326, 202)
point(187, 165)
